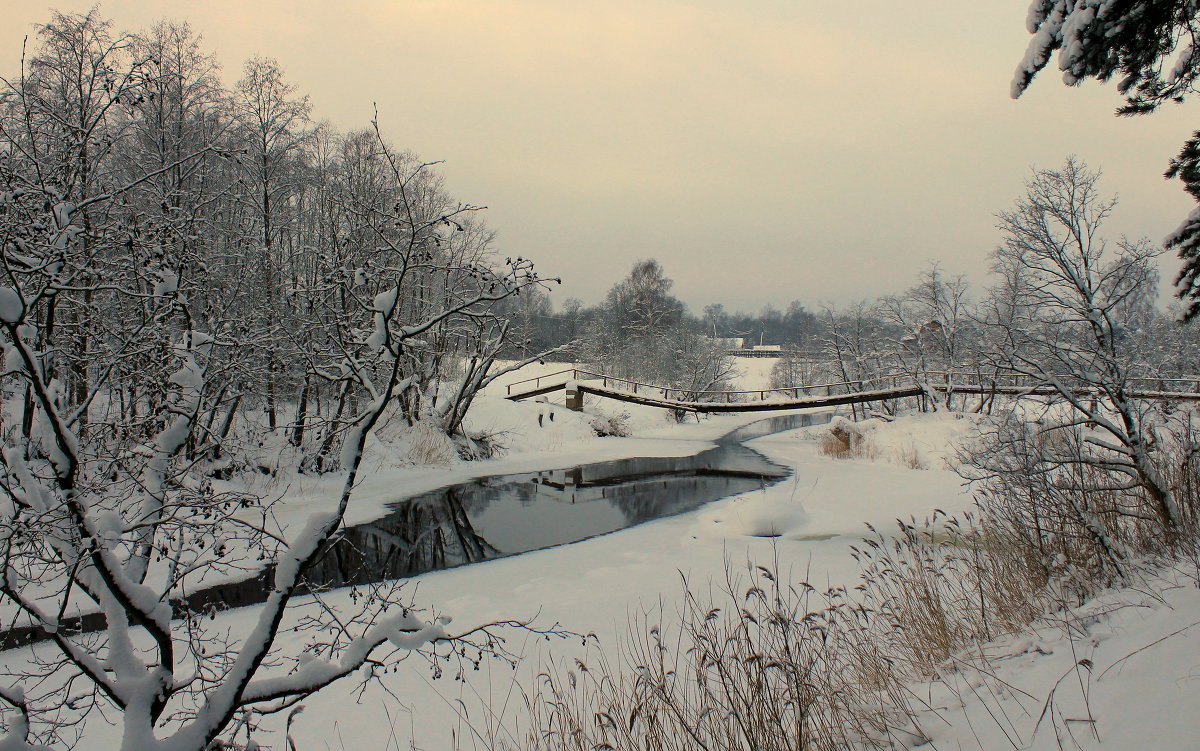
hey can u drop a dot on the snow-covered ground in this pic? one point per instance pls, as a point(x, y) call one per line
point(1125, 698)
point(1121, 672)
point(1137, 699)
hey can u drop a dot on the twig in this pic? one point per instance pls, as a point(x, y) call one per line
point(1151, 644)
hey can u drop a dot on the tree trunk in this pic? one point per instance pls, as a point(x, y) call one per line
point(302, 412)
point(226, 425)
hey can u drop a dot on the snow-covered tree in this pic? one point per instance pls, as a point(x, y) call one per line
point(1147, 45)
point(641, 304)
point(933, 319)
point(856, 341)
point(128, 229)
point(1150, 48)
point(273, 125)
point(1071, 337)
point(641, 333)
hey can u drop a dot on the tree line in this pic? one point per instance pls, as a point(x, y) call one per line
point(144, 199)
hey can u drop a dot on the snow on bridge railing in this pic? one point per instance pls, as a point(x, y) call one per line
point(976, 379)
point(940, 380)
point(562, 377)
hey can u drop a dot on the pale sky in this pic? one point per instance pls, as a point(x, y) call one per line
point(761, 150)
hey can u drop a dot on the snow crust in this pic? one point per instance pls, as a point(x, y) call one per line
point(11, 307)
point(167, 284)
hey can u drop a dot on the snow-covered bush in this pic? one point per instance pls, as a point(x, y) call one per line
point(611, 424)
point(1047, 488)
point(916, 441)
point(842, 439)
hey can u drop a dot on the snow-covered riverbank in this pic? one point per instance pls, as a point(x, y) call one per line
point(1105, 681)
point(594, 586)
point(532, 436)
point(805, 526)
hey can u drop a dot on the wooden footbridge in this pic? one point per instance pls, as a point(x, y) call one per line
point(576, 382)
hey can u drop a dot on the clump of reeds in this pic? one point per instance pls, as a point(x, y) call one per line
point(428, 444)
point(754, 663)
point(843, 439)
point(944, 584)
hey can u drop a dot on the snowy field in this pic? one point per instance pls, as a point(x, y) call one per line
point(1045, 689)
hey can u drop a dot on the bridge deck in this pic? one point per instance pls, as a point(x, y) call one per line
point(812, 402)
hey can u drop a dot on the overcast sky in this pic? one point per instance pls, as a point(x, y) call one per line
point(761, 150)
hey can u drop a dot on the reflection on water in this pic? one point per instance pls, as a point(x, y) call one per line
point(509, 514)
point(514, 514)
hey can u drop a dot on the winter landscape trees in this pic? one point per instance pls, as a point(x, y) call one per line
point(162, 291)
point(1078, 333)
point(203, 287)
point(641, 333)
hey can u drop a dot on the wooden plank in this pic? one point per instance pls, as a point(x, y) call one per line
point(537, 392)
point(815, 402)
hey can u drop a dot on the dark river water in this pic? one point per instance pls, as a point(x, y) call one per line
point(509, 514)
point(491, 517)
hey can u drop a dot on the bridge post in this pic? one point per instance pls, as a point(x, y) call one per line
point(574, 399)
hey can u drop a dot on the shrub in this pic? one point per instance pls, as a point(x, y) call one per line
point(843, 439)
point(611, 425)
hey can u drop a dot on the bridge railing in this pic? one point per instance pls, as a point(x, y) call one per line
point(709, 395)
point(976, 379)
point(533, 384)
point(973, 379)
